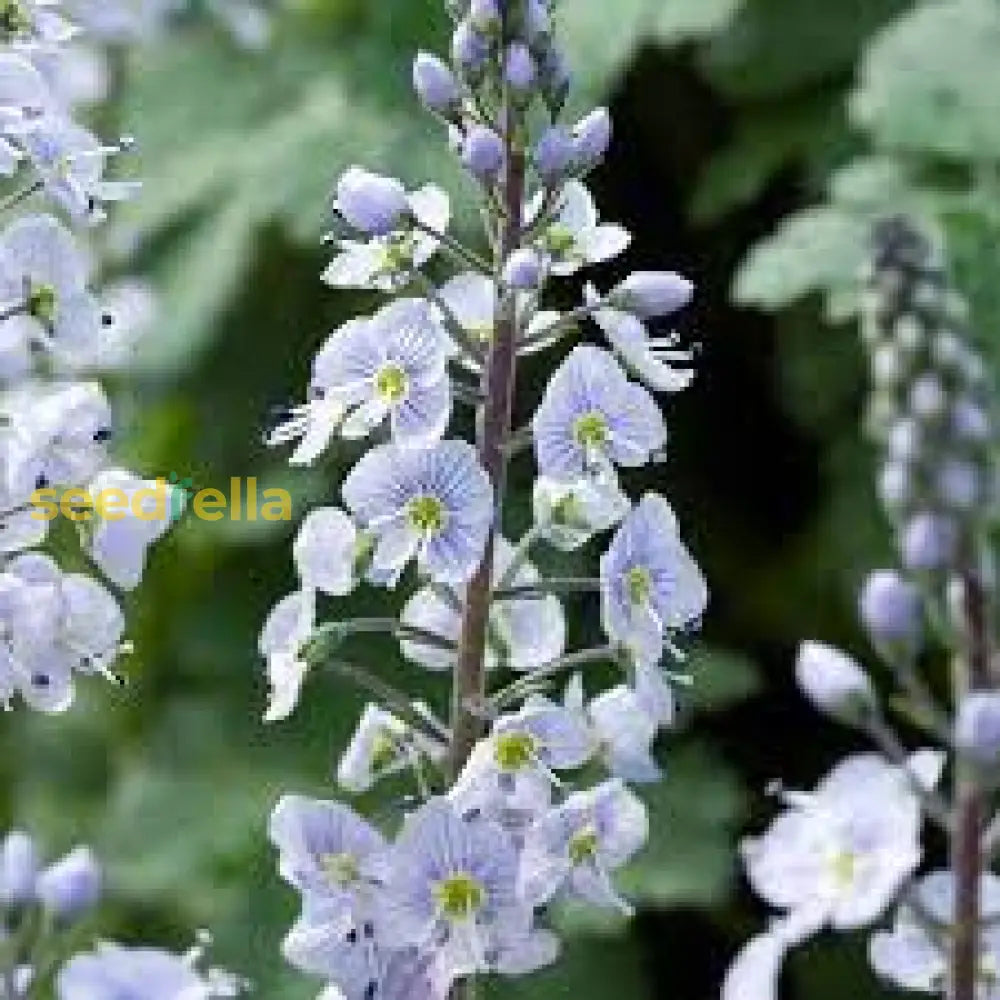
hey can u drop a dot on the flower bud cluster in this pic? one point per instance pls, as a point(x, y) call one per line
point(931, 411)
point(57, 334)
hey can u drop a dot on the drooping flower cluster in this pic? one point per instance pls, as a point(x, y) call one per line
point(460, 884)
point(843, 856)
point(56, 424)
point(40, 914)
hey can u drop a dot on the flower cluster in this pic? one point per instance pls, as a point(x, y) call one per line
point(846, 854)
point(41, 911)
point(932, 408)
point(56, 335)
point(507, 820)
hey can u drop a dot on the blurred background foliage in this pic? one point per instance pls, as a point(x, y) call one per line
point(755, 141)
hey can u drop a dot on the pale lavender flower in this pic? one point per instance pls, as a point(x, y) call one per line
point(451, 892)
point(575, 237)
point(18, 869)
point(592, 417)
point(287, 630)
point(519, 67)
point(326, 552)
point(659, 362)
point(435, 505)
point(387, 262)
point(72, 885)
point(117, 972)
point(890, 609)
point(523, 634)
point(570, 513)
point(510, 774)
point(572, 851)
point(625, 733)
point(650, 585)
point(838, 856)
point(326, 851)
point(389, 368)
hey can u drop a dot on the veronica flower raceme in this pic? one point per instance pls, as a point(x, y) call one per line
point(650, 585)
point(838, 856)
point(434, 505)
point(398, 228)
point(593, 418)
point(523, 634)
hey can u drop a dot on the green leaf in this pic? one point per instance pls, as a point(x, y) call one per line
point(929, 81)
point(722, 678)
point(694, 815)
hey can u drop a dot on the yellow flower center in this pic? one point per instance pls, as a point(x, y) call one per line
point(428, 515)
point(583, 846)
point(843, 866)
point(559, 239)
point(515, 751)
point(483, 332)
point(591, 430)
point(391, 383)
point(639, 582)
point(340, 869)
point(42, 303)
point(14, 19)
point(459, 896)
point(385, 749)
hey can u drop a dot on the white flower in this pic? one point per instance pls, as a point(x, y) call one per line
point(658, 362)
point(119, 545)
point(576, 238)
point(837, 857)
point(326, 552)
point(382, 745)
point(571, 513)
point(523, 634)
point(833, 681)
point(288, 628)
point(385, 262)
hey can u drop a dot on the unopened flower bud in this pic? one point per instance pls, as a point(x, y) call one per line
point(890, 609)
point(895, 486)
point(18, 869)
point(523, 270)
point(537, 19)
point(434, 82)
point(970, 422)
point(485, 15)
point(888, 367)
point(977, 728)
point(519, 67)
point(648, 294)
point(909, 334)
point(482, 152)
point(834, 682)
point(469, 49)
point(554, 154)
point(928, 542)
point(371, 203)
point(72, 885)
point(592, 137)
point(959, 485)
point(928, 399)
point(905, 440)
